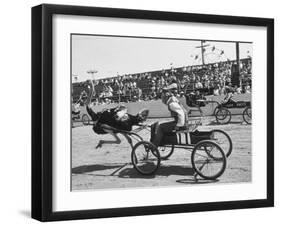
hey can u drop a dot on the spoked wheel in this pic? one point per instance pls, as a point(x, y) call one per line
point(208, 160)
point(166, 151)
point(85, 120)
point(223, 140)
point(247, 115)
point(145, 158)
point(223, 115)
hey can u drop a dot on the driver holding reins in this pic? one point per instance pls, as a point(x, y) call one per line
point(229, 96)
point(177, 111)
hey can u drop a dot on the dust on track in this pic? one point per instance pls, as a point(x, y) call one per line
point(110, 166)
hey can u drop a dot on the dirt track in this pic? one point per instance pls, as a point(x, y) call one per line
point(110, 167)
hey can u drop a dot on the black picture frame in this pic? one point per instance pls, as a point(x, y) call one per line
point(42, 111)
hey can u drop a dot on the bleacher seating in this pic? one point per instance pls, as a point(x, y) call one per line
point(149, 84)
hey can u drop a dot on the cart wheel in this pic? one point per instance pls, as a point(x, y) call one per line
point(85, 120)
point(166, 151)
point(208, 160)
point(247, 115)
point(223, 115)
point(145, 158)
point(223, 140)
point(215, 111)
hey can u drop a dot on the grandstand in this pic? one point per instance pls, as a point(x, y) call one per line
point(212, 78)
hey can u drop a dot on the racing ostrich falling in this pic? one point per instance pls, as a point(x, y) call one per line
point(113, 121)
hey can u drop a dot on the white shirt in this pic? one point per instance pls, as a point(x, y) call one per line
point(176, 107)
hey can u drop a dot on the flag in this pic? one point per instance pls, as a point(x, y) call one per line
point(75, 78)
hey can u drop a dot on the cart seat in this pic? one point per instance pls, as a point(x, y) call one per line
point(181, 131)
point(185, 137)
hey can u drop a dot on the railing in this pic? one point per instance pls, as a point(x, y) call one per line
point(149, 94)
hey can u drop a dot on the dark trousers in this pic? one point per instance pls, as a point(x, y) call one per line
point(163, 128)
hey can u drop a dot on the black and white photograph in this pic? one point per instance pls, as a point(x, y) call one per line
point(142, 112)
point(139, 113)
point(156, 112)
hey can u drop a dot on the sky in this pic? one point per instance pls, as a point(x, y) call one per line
point(113, 55)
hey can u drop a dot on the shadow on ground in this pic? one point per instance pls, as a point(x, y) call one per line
point(131, 172)
point(196, 181)
point(214, 123)
point(162, 171)
point(95, 167)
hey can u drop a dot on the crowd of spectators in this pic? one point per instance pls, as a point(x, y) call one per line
point(212, 78)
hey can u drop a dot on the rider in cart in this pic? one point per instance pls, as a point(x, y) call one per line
point(229, 95)
point(177, 111)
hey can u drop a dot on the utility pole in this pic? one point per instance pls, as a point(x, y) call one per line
point(202, 47)
point(238, 62)
point(238, 57)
